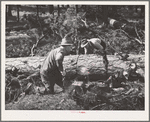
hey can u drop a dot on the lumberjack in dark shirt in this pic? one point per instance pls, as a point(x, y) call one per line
point(52, 68)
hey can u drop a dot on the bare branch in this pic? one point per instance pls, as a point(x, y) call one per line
point(138, 35)
point(84, 21)
point(130, 36)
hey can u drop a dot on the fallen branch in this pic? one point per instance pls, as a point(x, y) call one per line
point(36, 44)
point(139, 41)
point(84, 21)
point(137, 34)
point(130, 36)
point(21, 98)
point(124, 32)
point(97, 106)
point(130, 90)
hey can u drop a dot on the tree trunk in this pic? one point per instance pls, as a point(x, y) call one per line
point(136, 7)
point(6, 13)
point(63, 6)
point(17, 13)
point(114, 10)
point(142, 10)
point(39, 20)
point(76, 8)
point(83, 7)
point(51, 9)
point(58, 9)
point(105, 14)
point(9, 10)
point(68, 6)
point(37, 10)
point(91, 65)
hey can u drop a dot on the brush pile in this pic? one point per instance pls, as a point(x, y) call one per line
point(99, 97)
point(124, 90)
point(18, 83)
point(116, 93)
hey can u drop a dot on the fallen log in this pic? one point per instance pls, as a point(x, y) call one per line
point(91, 65)
point(17, 37)
point(128, 28)
point(16, 28)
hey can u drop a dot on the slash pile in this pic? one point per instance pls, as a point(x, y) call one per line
point(94, 95)
point(97, 96)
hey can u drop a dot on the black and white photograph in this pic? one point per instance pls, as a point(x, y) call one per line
point(75, 60)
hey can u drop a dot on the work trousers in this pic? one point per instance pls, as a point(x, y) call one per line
point(52, 78)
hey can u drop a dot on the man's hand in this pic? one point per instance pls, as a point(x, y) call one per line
point(63, 73)
point(48, 91)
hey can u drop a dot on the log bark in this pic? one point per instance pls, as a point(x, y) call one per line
point(91, 64)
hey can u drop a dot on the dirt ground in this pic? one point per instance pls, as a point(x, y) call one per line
point(65, 101)
point(58, 101)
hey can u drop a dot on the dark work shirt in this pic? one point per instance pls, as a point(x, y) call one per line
point(50, 62)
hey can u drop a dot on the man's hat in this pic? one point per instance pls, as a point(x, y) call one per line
point(84, 43)
point(66, 42)
point(67, 39)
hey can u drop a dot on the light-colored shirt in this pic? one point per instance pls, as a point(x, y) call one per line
point(96, 42)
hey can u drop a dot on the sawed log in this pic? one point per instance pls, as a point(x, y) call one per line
point(91, 65)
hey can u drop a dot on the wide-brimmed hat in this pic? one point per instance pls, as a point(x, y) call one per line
point(84, 42)
point(66, 42)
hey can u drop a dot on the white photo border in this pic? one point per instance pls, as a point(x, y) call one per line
point(74, 115)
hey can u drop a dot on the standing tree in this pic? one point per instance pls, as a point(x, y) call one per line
point(84, 7)
point(77, 8)
point(9, 10)
point(58, 8)
point(136, 7)
point(38, 19)
point(105, 14)
point(37, 9)
point(114, 10)
point(6, 13)
point(142, 10)
point(68, 6)
point(18, 13)
point(51, 9)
